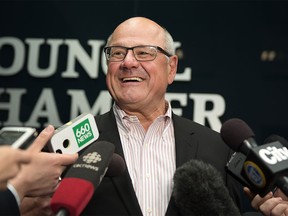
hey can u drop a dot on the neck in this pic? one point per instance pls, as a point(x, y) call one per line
point(147, 116)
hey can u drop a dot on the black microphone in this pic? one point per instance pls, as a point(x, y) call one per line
point(83, 177)
point(275, 137)
point(260, 167)
point(238, 135)
point(200, 190)
point(116, 166)
point(281, 182)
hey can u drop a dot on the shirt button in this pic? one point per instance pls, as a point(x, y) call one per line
point(149, 210)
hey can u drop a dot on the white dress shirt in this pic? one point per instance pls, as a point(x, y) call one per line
point(150, 158)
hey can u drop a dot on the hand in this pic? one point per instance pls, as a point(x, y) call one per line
point(271, 204)
point(41, 176)
point(35, 206)
point(10, 161)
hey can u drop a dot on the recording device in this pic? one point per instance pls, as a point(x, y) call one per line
point(17, 137)
point(200, 190)
point(261, 168)
point(82, 178)
point(74, 135)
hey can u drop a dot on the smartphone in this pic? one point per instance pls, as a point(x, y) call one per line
point(17, 137)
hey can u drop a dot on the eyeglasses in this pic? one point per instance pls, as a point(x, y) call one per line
point(141, 53)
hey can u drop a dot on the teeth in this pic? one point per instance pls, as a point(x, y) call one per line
point(132, 79)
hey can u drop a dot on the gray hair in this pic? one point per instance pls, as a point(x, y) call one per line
point(108, 40)
point(169, 42)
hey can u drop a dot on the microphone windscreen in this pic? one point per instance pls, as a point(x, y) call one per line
point(234, 131)
point(116, 167)
point(200, 190)
point(73, 194)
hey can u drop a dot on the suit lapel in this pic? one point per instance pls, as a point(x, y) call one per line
point(108, 131)
point(186, 148)
point(186, 144)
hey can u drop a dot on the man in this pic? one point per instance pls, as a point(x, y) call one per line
point(154, 141)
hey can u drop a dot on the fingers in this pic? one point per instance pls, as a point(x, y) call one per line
point(279, 193)
point(10, 162)
point(42, 139)
point(280, 209)
point(258, 200)
point(13, 155)
point(66, 159)
point(248, 193)
point(22, 156)
point(31, 206)
point(272, 206)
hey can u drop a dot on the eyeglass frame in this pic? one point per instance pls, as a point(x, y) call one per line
point(132, 48)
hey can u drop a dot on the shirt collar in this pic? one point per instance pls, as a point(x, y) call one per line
point(122, 117)
point(121, 113)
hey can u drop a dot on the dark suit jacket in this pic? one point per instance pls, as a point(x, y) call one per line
point(8, 204)
point(116, 196)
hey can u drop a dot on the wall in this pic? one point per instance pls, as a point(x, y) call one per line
point(233, 60)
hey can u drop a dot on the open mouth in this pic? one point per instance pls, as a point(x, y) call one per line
point(132, 79)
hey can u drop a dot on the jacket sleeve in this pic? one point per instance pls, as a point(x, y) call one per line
point(8, 204)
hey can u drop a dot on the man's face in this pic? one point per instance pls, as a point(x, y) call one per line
point(137, 84)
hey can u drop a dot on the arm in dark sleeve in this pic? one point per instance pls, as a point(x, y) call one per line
point(8, 203)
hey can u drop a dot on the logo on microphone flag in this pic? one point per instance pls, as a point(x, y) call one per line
point(83, 132)
point(93, 157)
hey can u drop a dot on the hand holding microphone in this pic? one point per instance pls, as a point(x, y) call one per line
point(83, 177)
point(40, 176)
point(263, 167)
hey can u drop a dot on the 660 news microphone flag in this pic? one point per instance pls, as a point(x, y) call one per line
point(82, 178)
point(262, 167)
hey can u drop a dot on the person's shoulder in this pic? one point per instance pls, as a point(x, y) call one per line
point(189, 123)
point(104, 116)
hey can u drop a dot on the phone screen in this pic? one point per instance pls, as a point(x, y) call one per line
point(9, 137)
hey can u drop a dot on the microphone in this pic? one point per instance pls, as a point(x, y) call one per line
point(274, 138)
point(200, 190)
point(238, 135)
point(261, 168)
point(82, 178)
point(116, 166)
point(281, 182)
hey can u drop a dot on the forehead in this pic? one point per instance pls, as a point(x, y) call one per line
point(138, 33)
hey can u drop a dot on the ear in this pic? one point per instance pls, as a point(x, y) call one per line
point(173, 62)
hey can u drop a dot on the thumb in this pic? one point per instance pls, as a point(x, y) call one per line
point(42, 139)
point(67, 159)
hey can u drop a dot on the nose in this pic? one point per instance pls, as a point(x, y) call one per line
point(130, 59)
